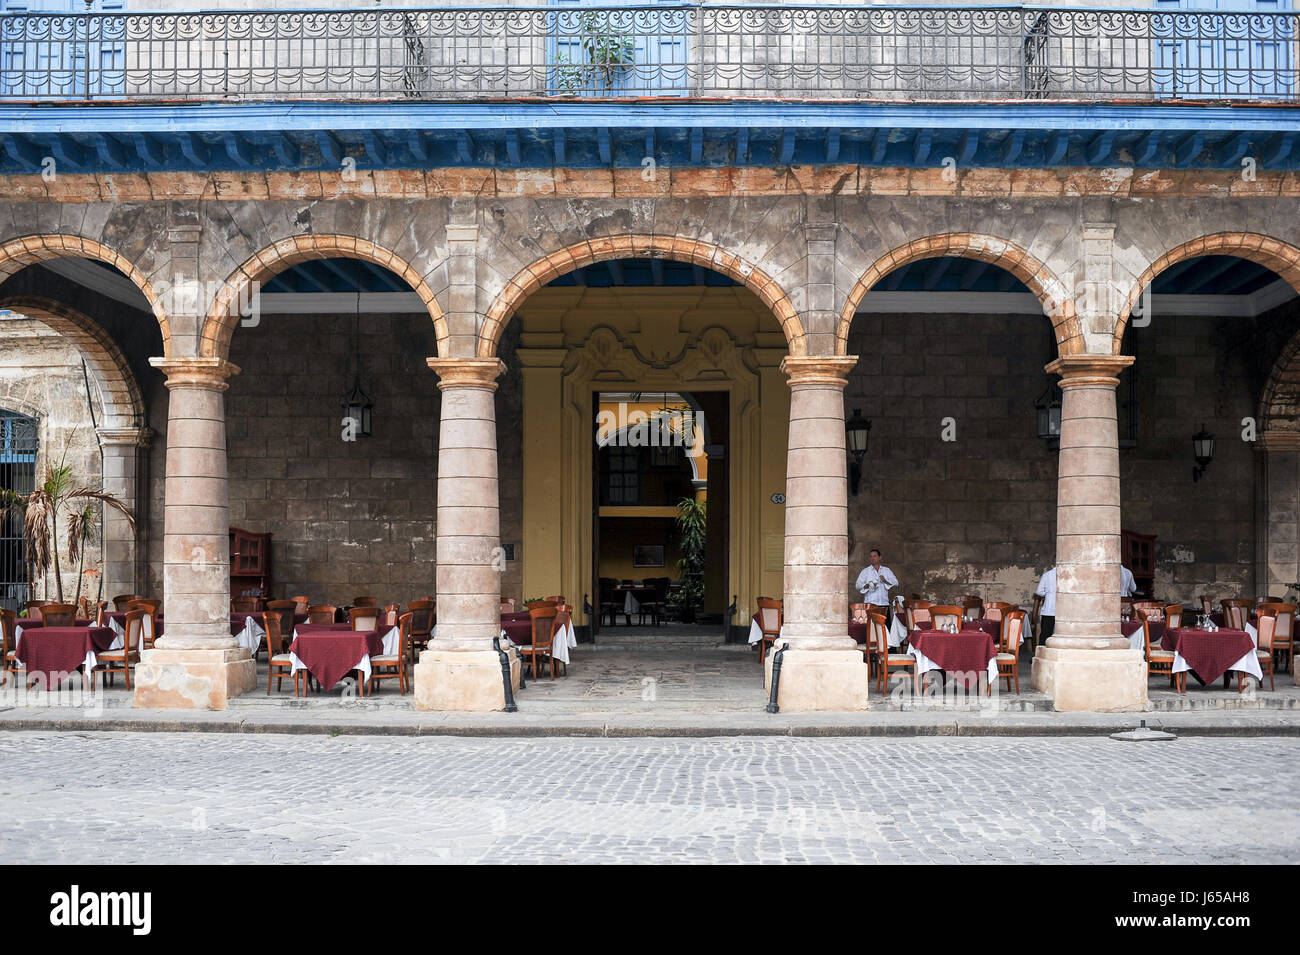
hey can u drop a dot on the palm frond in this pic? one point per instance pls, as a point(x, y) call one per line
point(81, 530)
point(95, 494)
point(36, 530)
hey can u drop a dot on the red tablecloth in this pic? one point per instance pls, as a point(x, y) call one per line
point(332, 651)
point(32, 624)
point(1217, 617)
point(518, 627)
point(965, 654)
point(1208, 654)
point(1157, 628)
point(60, 650)
point(992, 627)
point(858, 631)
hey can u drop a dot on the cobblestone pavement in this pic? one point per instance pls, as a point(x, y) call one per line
point(163, 797)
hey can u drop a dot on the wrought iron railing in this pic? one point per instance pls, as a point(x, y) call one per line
point(698, 50)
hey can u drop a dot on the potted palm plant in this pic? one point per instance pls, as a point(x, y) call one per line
point(692, 526)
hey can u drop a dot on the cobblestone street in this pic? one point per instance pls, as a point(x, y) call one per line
point(166, 798)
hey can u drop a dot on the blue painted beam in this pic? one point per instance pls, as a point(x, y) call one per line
point(1012, 146)
point(970, 144)
point(512, 146)
point(787, 147)
point(1279, 150)
point(149, 149)
point(604, 141)
point(1098, 149)
point(1189, 148)
point(195, 150)
point(1059, 148)
point(111, 152)
point(418, 146)
point(237, 148)
point(832, 145)
point(376, 152)
point(921, 147)
point(557, 141)
point(21, 149)
point(697, 145)
point(742, 144)
point(464, 147)
point(287, 151)
point(1146, 148)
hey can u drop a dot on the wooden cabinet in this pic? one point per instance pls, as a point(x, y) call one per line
point(1137, 552)
point(250, 564)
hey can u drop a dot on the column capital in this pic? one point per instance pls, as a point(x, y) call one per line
point(818, 369)
point(1076, 370)
point(125, 437)
point(210, 374)
point(1275, 440)
point(467, 372)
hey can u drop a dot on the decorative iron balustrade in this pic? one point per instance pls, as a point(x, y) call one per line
point(684, 50)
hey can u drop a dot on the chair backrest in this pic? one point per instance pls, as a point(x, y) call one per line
point(563, 617)
point(942, 615)
point(421, 612)
point(364, 618)
point(770, 615)
point(283, 611)
point(1146, 617)
point(1267, 629)
point(153, 603)
point(8, 626)
point(100, 609)
point(59, 615)
point(915, 613)
point(122, 601)
point(878, 634)
point(404, 623)
point(149, 609)
point(83, 608)
point(1174, 615)
point(1234, 612)
point(391, 613)
point(1207, 603)
point(1261, 601)
point(972, 607)
point(858, 613)
point(507, 606)
point(365, 601)
point(557, 599)
point(1013, 630)
point(995, 609)
point(321, 614)
point(1150, 606)
point(134, 629)
point(246, 605)
point(301, 604)
point(542, 619)
point(33, 608)
point(1284, 629)
point(274, 631)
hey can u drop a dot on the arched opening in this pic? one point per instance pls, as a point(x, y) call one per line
point(1209, 325)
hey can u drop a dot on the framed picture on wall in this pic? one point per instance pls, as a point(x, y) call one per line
point(648, 555)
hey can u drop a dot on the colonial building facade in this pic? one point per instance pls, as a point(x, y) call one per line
point(936, 260)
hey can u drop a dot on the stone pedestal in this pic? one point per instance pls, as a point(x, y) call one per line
point(819, 680)
point(823, 669)
point(194, 679)
point(1102, 680)
point(463, 680)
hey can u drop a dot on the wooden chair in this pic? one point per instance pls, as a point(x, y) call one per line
point(972, 607)
point(122, 602)
point(1207, 603)
point(1173, 615)
point(542, 620)
point(422, 618)
point(1283, 632)
point(941, 615)
point(995, 610)
point(1235, 612)
point(861, 613)
point(283, 611)
point(1009, 657)
point(771, 615)
point(563, 617)
point(364, 618)
point(1036, 618)
point(150, 632)
point(1151, 607)
point(245, 605)
point(365, 602)
point(916, 614)
point(100, 610)
point(278, 659)
point(300, 604)
point(388, 666)
point(8, 645)
point(59, 615)
point(507, 606)
point(125, 657)
point(321, 614)
point(609, 605)
point(1158, 661)
point(1266, 648)
point(83, 608)
point(878, 635)
point(392, 614)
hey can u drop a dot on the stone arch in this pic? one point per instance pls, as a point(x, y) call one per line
point(123, 401)
point(1279, 403)
point(1057, 303)
point(26, 250)
point(678, 248)
point(1281, 257)
point(261, 265)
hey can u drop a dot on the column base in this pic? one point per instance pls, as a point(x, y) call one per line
point(190, 679)
point(466, 680)
point(1100, 680)
point(819, 680)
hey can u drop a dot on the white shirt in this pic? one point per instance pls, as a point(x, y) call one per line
point(1047, 590)
point(1127, 585)
point(875, 584)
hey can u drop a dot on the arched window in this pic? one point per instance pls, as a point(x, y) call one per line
point(18, 439)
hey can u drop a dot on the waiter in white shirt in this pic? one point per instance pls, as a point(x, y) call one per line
point(1047, 615)
point(1127, 585)
point(875, 581)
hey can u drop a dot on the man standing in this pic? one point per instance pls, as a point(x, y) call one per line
point(875, 581)
point(1047, 615)
point(1127, 585)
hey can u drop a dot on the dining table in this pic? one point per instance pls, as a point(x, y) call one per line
point(964, 655)
point(1133, 630)
point(52, 654)
point(518, 629)
point(1210, 654)
point(330, 651)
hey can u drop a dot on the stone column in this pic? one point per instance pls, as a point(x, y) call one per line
point(1087, 664)
point(460, 670)
point(823, 669)
point(196, 664)
point(124, 451)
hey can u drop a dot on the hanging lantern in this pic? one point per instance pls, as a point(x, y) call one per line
point(1048, 408)
point(1203, 449)
point(359, 407)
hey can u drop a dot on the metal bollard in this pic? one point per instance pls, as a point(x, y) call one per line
point(776, 678)
point(505, 675)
